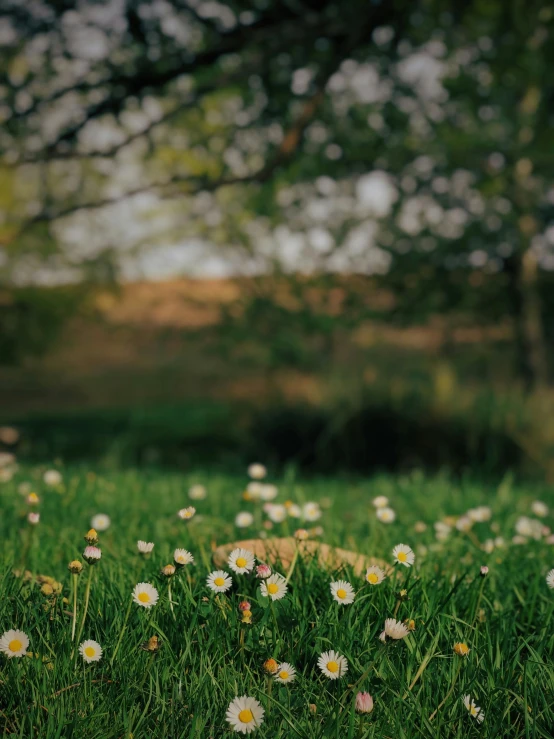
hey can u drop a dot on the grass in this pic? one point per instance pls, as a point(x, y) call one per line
point(207, 657)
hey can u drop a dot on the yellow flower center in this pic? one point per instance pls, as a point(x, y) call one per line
point(89, 651)
point(181, 559)
point(341, 593)
point(15, 645)
point(372, 578)
point(473, 710)
point(246, 716)
point(241, 562)
point(283, 674)
point(332, 666)
point(144, 597)
point(272, 588)
point(219, 581)
point(402, 556)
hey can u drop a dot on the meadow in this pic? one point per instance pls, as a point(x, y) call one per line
point(209, 649)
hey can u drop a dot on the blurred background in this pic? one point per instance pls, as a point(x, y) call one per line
point(309, 232)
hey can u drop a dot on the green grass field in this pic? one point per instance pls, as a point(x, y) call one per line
point(207, 657)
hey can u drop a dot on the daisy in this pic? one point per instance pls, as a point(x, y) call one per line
point(52, 477)
point(33, 499)
point(185, 514)
point(241, 561)
point(381, 501)
point(244, 519)
point(257, 471)
point(90, 651)
point(145, 595)
point(442, 530)
point(33, 518)
point(403, 555)
point(550, 579)
point(530, 527)
point(364, 703)
point(268, 491)
point(332, 664)
point(100, 522)
point(474, 709)
point(263, 571)
point(386, 515)
point(92, 554)
point(480, 514)
point(275, 587)
point(276, 512)
point(183, 557)
point(253, 491)
point(461, 649)
point(245, 714)
point(342, 592)
point(374, 575)
point(294, 510)
point(539, 508)
point(219, 581)
point(285, 673)
point(14, 643)
point(197, 492)
point(311, 511)
point(394, 630)
point(145, 547)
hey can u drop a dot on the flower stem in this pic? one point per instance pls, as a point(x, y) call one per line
point(75, 588)
point(87, 598)
point(121, 632)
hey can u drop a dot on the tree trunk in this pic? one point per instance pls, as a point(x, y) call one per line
point(526, 312)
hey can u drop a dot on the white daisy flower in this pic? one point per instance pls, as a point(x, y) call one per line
point(100, 522)
point(253, 490)
point(342, 592)
point(197, 492)
point(481, 514)
point(332, 664)
point(145, 547)
point(539, 508)
point(241, 561)
point(33, 517)
point(381, 501)
point(92, 554)
point(530, 527)
point(185, 514)
point(285, 673)
point(245, 714)
point(6, 459)
point(268, 492)
point(474, 709)
point(274, 587)
point(90, 651)
point(311, 511)
point(183, 557)
point(464, 523)
point(374, 575)
point(550, 579)
point(244, 519)
point(294, 510)
point(394, 629)
point(52, 477)
point(145, 595)
point(14, 643)
point(442, 530)
point(386, 515)
point(403, 555)
point(276, 512)
point(219, 581)
point(257, 471)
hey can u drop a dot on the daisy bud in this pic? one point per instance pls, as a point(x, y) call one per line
point(484, 571)
point(168, 570)
point(461, 649)
point(92, 555)
point(244, 605)
point(75, 567)
point(47, 589)
point(33, 518)
point(33, 499)
point(263, 571)
point(403, 595)
point(312, 707)
point(410, 624)
point(91, 537)
point(270, 666)
point(364, 703)
point(152, 645)
point(246, 617)
point(301, 535)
